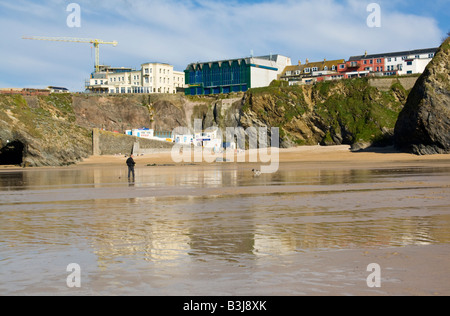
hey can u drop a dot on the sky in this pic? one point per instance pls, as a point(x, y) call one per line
point(180, 32)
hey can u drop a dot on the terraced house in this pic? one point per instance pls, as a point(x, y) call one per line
point(311, 72)
point(388, 64)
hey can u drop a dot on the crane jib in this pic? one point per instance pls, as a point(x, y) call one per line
point(96, 43)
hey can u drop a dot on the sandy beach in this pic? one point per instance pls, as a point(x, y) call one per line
point(299, 157)
point(310, 228)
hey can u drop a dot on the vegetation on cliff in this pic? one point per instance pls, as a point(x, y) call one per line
point(332, 112)
point(44, 129)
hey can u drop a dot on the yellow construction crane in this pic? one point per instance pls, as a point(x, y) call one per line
point(96, 43)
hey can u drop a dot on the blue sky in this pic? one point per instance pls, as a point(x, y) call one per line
point(183, 31)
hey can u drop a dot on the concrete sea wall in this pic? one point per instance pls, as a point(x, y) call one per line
point(108, 143)
point(384, 84)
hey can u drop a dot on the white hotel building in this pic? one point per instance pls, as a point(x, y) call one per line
point(151, 78)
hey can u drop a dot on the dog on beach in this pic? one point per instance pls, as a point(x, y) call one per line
point(256, 172)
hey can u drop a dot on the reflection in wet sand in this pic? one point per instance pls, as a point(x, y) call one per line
point(171, 222)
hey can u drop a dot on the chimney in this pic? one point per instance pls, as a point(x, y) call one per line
point(307, 60)
point(299, 62)
point(365, 54)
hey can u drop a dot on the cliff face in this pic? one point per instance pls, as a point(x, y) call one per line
point(330, 113)
point(41, 131)
point(423, 126)
point(57, 130)
point(112, 113)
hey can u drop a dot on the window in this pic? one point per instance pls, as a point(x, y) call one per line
point(307, 70)
point(378, 61)
point(365, 62)
point(430, 55)
point(315, 69)
point(409, 63)
point(342, 66)
point(389, 60)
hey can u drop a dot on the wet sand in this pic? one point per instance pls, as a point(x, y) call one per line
point(410, 270)
point(302, 157)
point(311, 228)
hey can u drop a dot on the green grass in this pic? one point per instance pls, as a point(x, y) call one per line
point(351, 108)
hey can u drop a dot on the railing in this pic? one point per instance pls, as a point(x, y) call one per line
point(162, 134)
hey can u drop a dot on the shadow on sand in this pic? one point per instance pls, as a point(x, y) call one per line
point(378, 150)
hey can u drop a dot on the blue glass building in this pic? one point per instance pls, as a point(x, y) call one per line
point(236, 75)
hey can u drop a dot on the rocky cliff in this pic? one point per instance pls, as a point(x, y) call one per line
point(41, 131)
point(57, 129)
point(330, 113)
point(423, 126)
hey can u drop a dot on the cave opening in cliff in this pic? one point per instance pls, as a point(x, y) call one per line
point(12, 153)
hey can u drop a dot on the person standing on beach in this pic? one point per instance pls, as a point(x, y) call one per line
point(131, 163)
